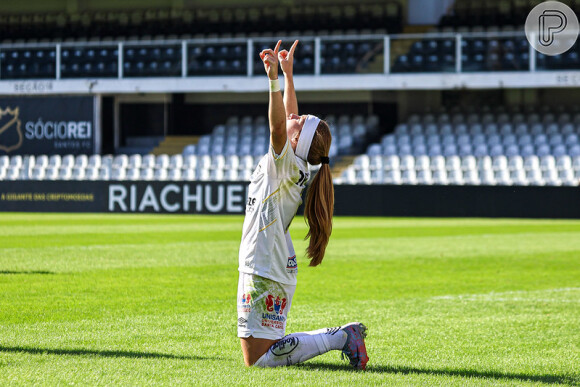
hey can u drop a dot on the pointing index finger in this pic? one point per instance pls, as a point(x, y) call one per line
point(277, 47)
point(293, 48)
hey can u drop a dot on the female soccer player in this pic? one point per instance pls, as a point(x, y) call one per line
point(267, 261)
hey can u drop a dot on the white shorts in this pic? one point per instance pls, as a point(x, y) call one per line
point(263, 306)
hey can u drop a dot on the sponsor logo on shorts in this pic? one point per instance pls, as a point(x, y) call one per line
point(244, 303)
point(292, 265)
point(275, 318)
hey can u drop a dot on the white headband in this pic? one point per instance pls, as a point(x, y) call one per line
point(306, 136)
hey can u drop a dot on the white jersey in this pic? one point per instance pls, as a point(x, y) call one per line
point(274, 195)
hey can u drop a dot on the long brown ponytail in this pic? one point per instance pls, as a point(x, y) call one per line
point(319, 205)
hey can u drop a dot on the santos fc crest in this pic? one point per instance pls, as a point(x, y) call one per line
point(10, 131)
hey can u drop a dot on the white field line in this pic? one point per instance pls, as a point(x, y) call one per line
point(517, 296)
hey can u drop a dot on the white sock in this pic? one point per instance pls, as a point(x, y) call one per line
point(299, 347)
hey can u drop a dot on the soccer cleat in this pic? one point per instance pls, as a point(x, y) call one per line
point(355, 348)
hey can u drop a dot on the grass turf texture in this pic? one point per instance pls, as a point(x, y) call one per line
point(140, 300)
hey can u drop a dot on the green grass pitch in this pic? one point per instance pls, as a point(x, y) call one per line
point(151, 300)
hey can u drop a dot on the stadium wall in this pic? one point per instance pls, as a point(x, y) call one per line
point(230, 198)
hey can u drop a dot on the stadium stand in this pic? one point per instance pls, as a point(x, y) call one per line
point(495, 147)
point(201, 22)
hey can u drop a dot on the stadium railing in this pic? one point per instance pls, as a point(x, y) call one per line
point(316, 55)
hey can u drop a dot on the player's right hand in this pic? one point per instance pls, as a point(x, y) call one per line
point(270, 59)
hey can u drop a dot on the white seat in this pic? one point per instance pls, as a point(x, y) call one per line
point(67, 161)
point(247, 163)
point(576, 163)
point(502, 177)
point(484, 163)
point(439, 176)
point(469, 163)
point(437, 163)
point(81, 161)
point(532, 162)
point(567, 176)
point(160, 174)
point(94, 161)
point(146, 174)
point(231, 175)
point(424, 177)
point(391, 162)
point(232, 162)
point(189, 175)
point(4, 161)
point(64, 173)
point(204, 175)
point(51, 173)
point(41, 161)
point(78, 173)
point(499, 163)
point(547, 163)
point(148, 161)
point(470, 177)
point(455, 177)
point(204, 162)
point(377, 176)
point(16, 161)
point(407, 162)
point(37, 173)
point(392, 177)
point(133, 174)
point(91, 173)
point(107, 161)
point(174, 174)
point(189, 162)
point(422, 163)
point(486, 177)
point(134, 162)
point(375, 162)
point(104, 173)
point(118, 173)
point(363, 176)
point(534, 176)
point(515, 163)
point(409, 176)
point(120, 161)
point(54, 161)
point(518, 177)
point(218, 162)
point(176, 161)
point(453, 163)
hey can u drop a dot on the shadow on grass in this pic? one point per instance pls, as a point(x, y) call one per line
point(12, 272)
point(553, 379)
point(89, 352)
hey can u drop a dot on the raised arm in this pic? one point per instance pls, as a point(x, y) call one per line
point(276, 112)
point(287, 63)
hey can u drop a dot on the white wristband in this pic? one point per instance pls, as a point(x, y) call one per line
point(274, 85)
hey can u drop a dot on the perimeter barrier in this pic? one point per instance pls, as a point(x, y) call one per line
point(230, 198)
